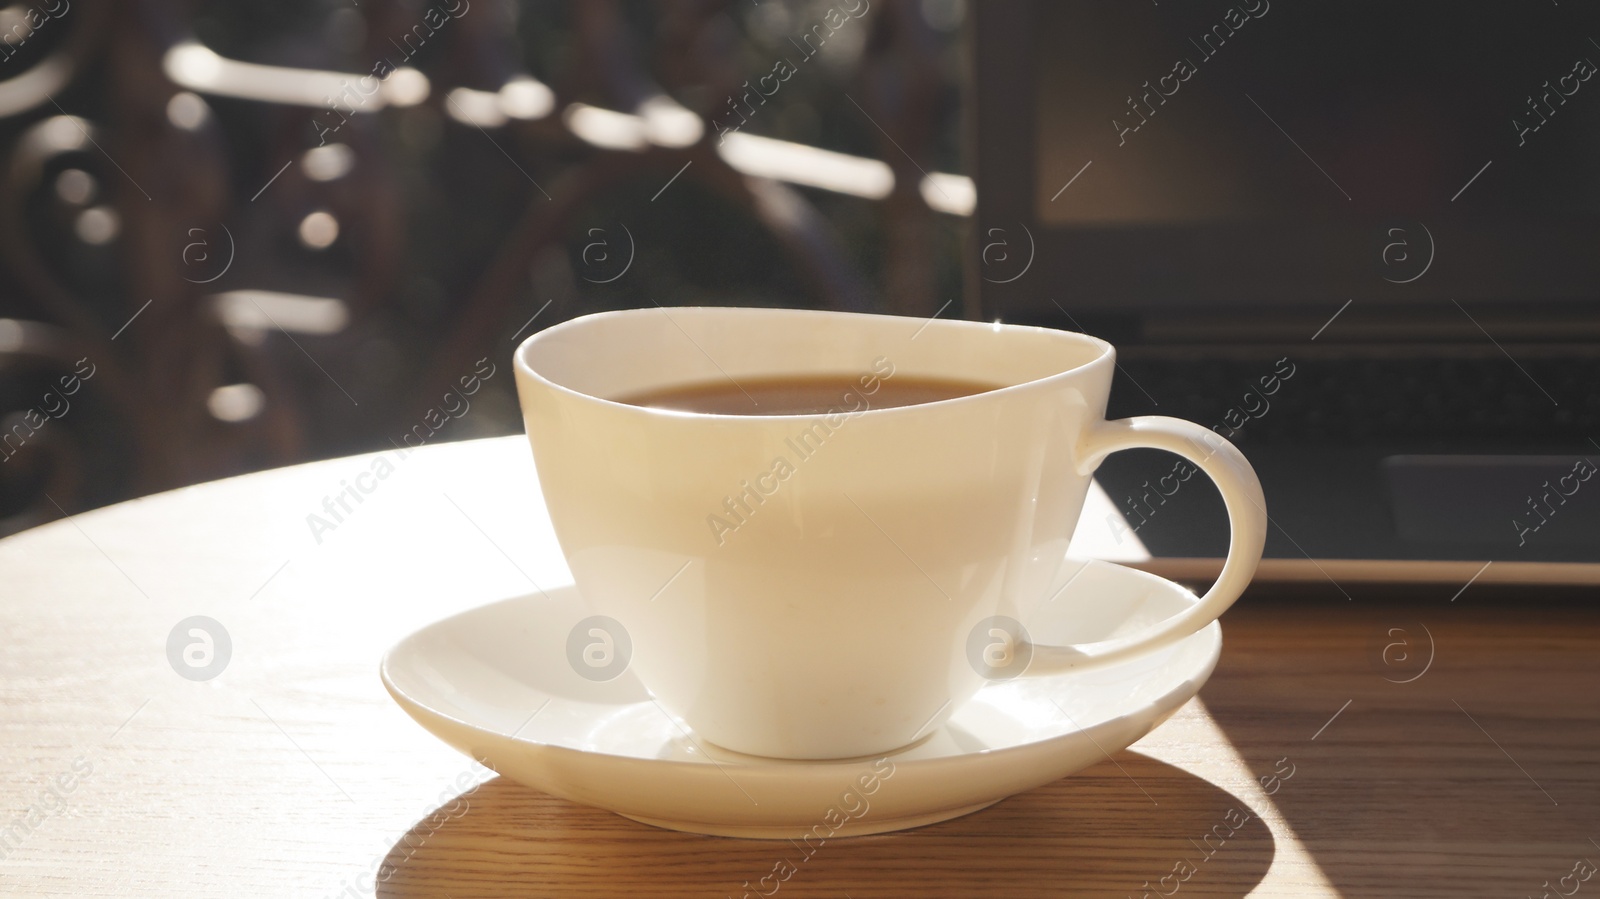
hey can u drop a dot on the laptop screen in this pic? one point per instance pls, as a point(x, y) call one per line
point(1254, 152)
point(1399, 201)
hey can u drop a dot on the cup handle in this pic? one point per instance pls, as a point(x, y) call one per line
point(1247, 519)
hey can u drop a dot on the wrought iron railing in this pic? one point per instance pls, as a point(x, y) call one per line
point(237, 235)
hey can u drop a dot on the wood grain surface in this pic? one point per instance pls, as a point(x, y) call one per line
point(1371, 747)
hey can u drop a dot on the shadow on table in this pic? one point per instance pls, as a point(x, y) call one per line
point(1104, 831)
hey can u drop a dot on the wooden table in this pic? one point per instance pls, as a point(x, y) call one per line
point(293, 774)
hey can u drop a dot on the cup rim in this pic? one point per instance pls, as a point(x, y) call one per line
point(1107, 352)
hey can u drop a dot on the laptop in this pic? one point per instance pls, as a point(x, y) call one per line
point(1361, 240)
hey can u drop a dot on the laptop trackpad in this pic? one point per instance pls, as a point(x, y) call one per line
point(1503, 501)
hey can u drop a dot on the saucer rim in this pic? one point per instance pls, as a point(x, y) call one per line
point(777, 768)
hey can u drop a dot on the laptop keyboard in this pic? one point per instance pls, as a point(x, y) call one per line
point(1450, 402)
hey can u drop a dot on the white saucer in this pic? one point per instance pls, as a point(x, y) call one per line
point(474, 681)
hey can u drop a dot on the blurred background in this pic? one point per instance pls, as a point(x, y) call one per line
point(241, 235)
point(238, 235)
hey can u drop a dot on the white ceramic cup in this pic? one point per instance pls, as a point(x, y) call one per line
point(808, 586)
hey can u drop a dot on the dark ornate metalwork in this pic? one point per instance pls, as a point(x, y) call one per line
point(275, 231)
